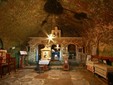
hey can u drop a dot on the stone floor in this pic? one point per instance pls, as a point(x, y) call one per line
point(55, 76)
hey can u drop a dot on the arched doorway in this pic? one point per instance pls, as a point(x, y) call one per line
point(40, 46)
point(72, 51)
point(55, 52)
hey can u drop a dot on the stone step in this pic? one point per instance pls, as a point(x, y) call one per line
point(30, 67)
point(55, 63)
point(56, 67)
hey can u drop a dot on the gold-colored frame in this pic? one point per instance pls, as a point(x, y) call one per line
point(45, 54)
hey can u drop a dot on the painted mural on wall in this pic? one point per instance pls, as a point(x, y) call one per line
point(32, 54)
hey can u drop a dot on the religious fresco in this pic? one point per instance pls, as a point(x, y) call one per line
point(46, 53)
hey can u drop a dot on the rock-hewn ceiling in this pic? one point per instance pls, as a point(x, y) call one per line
point(20, 19)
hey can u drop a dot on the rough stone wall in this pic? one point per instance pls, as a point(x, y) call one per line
point(20, 19)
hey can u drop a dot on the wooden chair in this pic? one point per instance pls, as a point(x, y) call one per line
point(11, 62)
point(2, 66)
